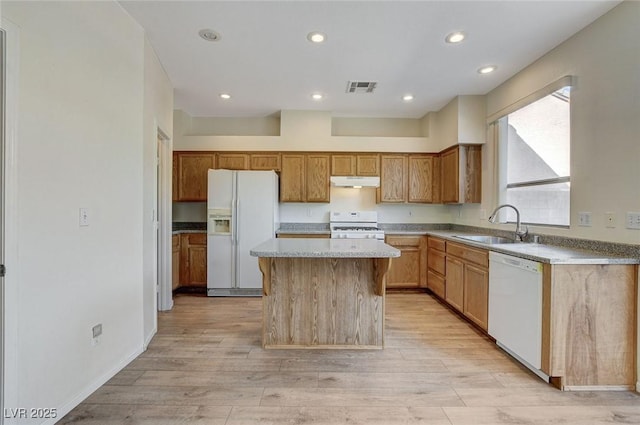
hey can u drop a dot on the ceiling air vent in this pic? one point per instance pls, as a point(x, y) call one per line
point(361, 86)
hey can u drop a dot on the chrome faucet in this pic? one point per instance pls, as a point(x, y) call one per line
point(521, 231)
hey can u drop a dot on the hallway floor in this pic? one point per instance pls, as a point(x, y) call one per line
point(206, 366)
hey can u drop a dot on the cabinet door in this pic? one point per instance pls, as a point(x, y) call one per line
point(476, 295)
point(421, 178)
point(454, 293)
point(437, 180)
point(393, 178)
point(197, 265)
point(405, 271)
point(292, 178)
point(265, 161)
point(175, 261)
point(175, 174)
point(193, 259)
point(192, 175)
point(343, 165)
point(233, 161)
point(368, 165)
point(317, 178)
point(449, 180)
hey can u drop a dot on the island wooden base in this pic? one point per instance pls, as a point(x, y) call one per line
point(323, 302)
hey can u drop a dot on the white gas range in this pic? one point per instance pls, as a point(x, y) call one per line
point(355, 225)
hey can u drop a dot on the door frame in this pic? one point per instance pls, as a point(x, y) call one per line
point(9, 299)
point(164, 154)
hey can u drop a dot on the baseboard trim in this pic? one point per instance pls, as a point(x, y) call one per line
point(100, 381)
point(148, 339)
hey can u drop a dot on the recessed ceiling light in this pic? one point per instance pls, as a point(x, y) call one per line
point(487, 69)
point(407, 97)
point(225, 96)
point(317, 96)
point(316, 37)
point(455, 37)
point(209, 35)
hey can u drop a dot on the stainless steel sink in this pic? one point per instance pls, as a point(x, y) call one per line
point(490, 240)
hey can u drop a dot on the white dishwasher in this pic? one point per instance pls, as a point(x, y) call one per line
point(515, 308)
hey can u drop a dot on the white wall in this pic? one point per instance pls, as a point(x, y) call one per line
point(158, 115)
point(80, 144)
point(349, 199)
point(605, 153)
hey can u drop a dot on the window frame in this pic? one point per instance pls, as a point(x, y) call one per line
point(500, 122)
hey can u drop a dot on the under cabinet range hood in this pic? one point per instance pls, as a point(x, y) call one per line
point(355, 181)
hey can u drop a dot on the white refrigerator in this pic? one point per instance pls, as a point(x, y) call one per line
point(242, 213)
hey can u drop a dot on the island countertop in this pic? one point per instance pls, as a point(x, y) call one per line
point(325, 248)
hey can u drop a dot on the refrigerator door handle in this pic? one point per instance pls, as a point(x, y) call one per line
point(237, 220)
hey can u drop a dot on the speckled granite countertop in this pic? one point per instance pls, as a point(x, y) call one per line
point(543, 253)
point(325, 248)
point(553, 249)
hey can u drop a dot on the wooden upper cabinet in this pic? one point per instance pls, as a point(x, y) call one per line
point(292, 178)
point(449, 175)
point(420, 178)
point(265, 161)
point(343, 165)
point(175, 174)
point(393, 178)
point(233, 161)
point(192, 170)
point(317, 177)
point(367, 165)
point(461, 174)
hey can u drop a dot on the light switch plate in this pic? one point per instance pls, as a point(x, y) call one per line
point(633, 220)
point(584, 219)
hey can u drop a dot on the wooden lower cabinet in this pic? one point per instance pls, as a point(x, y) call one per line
point(193, 259)
point(476, 295)
point(589, 325)
point(408, 270)
point(436, 266)
point(175, 261)
point(459, 274)
point(454, 293)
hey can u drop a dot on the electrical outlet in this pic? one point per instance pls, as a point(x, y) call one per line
point(610, 220)
point(633, 220)
point(584, 219)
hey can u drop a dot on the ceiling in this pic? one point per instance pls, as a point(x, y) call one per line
point(265, 62)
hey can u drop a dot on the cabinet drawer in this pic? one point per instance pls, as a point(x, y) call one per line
point(474, 255)
point(436, 243)
point(436, 261)
point(197, 238)
point(436, 283)
point(403, 240)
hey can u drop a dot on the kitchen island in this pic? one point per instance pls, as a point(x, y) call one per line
point(323, 293)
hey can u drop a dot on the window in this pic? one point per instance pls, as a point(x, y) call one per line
point(534, 156)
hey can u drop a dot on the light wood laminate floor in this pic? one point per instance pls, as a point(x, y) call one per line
point(206, 366)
